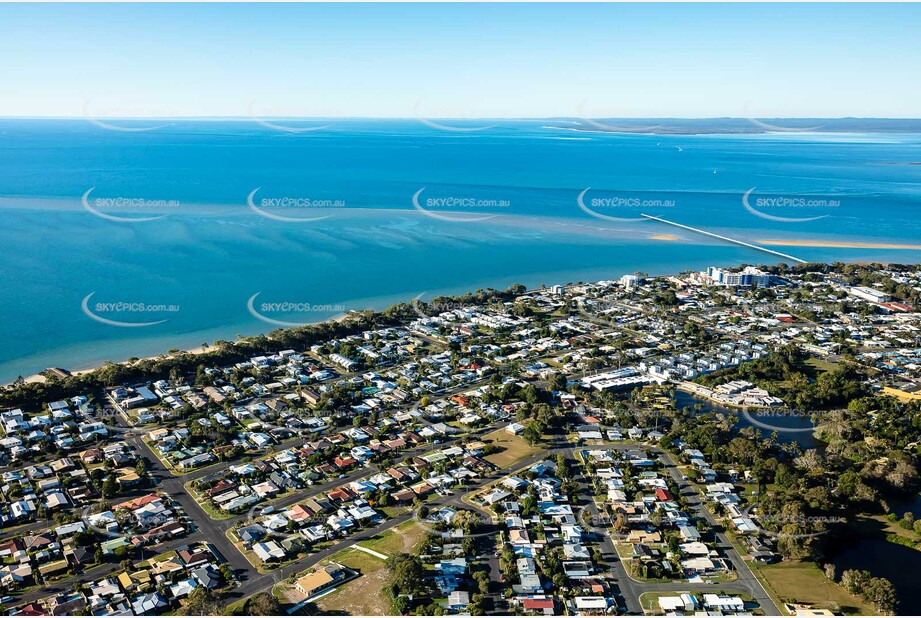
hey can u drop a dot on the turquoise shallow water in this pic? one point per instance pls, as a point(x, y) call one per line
point(208, 252)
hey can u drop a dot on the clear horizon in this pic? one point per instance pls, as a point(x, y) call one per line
point(687, 61)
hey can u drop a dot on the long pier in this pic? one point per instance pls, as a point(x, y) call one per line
point(725, 238)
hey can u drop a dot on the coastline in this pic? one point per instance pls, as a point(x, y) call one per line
point(39, 378)
point(837, 244)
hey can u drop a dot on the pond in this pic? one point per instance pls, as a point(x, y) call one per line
point(897, 563)
point(790, 429)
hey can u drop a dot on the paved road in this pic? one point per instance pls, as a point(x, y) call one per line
point(251, 581)
point(631, 589)
point(746, 578)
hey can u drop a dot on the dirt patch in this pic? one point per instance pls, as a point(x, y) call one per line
point(363, 596)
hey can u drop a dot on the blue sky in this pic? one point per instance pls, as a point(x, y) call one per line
point(471, 60)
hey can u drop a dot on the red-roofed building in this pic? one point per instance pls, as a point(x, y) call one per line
point(298, 513)
point(137, 502)
point(547, 606)
point(664, 495)
point(395, 444)
point(341, 494)
point(894, 306)
point(344, 462)
point(32, 609)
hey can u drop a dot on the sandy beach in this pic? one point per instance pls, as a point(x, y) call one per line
point(199, 350)
point(836, 244)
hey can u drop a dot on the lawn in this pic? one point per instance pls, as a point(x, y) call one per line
point(403, 538)
point(363, 596)
point(819, 365)
point(903, 396)
point(804, 582)
point(514, 448)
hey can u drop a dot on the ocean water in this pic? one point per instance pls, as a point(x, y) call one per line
point(334, 224)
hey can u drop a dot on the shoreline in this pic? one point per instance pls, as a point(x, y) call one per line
point(39, 378)
point(837, 244)
point(666, 237)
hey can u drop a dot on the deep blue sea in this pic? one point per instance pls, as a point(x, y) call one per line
point(333, 223)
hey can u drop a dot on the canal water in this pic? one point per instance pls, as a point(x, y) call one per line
point(900, 565)
point(789, 428)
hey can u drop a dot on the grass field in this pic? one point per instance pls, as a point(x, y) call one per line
point(819, 365)
point(403, 538)
point(364, 596)
point(902, 396)
point(804, 582)
point(514, 448)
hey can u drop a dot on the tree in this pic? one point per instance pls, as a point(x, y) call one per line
point(854, 580)
point(557, 382)
point(621, 525)
point(482, 580)
point(476, 605)
point(110, 487)
point(407, 573)
point(399, 605)
point(467, 521)
point(262, 604)
point(201, 602)
point(881, 593)
point(532, 433)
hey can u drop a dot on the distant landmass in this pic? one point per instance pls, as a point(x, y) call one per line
point(700, 126)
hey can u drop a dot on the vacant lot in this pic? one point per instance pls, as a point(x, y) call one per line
point(364, 596)
point(404, 538)
point(804, 582)
point(514, 448)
